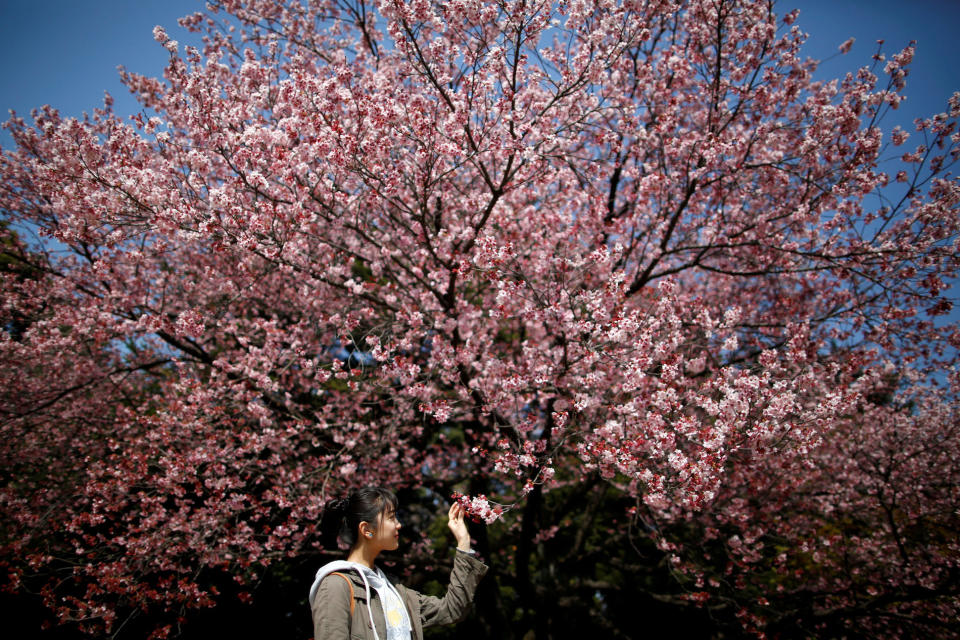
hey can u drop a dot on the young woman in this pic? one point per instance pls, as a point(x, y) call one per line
point(352, 598)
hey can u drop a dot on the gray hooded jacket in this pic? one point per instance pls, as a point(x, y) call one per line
point(330, 602)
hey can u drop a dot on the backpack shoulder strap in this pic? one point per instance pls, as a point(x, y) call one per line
point(349, 584)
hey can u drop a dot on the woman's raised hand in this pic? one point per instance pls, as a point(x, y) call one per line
point(458, 527)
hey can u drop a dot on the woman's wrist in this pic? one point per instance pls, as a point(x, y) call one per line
point(464, 545)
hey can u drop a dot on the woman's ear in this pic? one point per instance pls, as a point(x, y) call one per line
point(366, 531)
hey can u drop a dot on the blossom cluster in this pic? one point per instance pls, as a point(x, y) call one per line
point(479, 508)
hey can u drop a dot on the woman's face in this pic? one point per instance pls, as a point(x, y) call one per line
point(387, 535)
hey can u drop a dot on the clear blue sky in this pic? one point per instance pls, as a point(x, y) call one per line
point(65, 52)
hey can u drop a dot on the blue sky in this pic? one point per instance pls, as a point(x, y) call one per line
point(65, 52)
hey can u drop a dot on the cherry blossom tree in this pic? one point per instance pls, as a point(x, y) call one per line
point(621, 274)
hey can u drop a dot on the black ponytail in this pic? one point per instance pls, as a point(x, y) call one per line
point(342, 516)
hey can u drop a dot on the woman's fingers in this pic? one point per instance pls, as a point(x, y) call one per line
point(458, 526)
point(455, 515)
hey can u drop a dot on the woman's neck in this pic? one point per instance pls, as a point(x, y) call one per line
point(363, 554)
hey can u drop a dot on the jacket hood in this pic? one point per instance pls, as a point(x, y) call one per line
point(343, 565)
point(332, 567)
